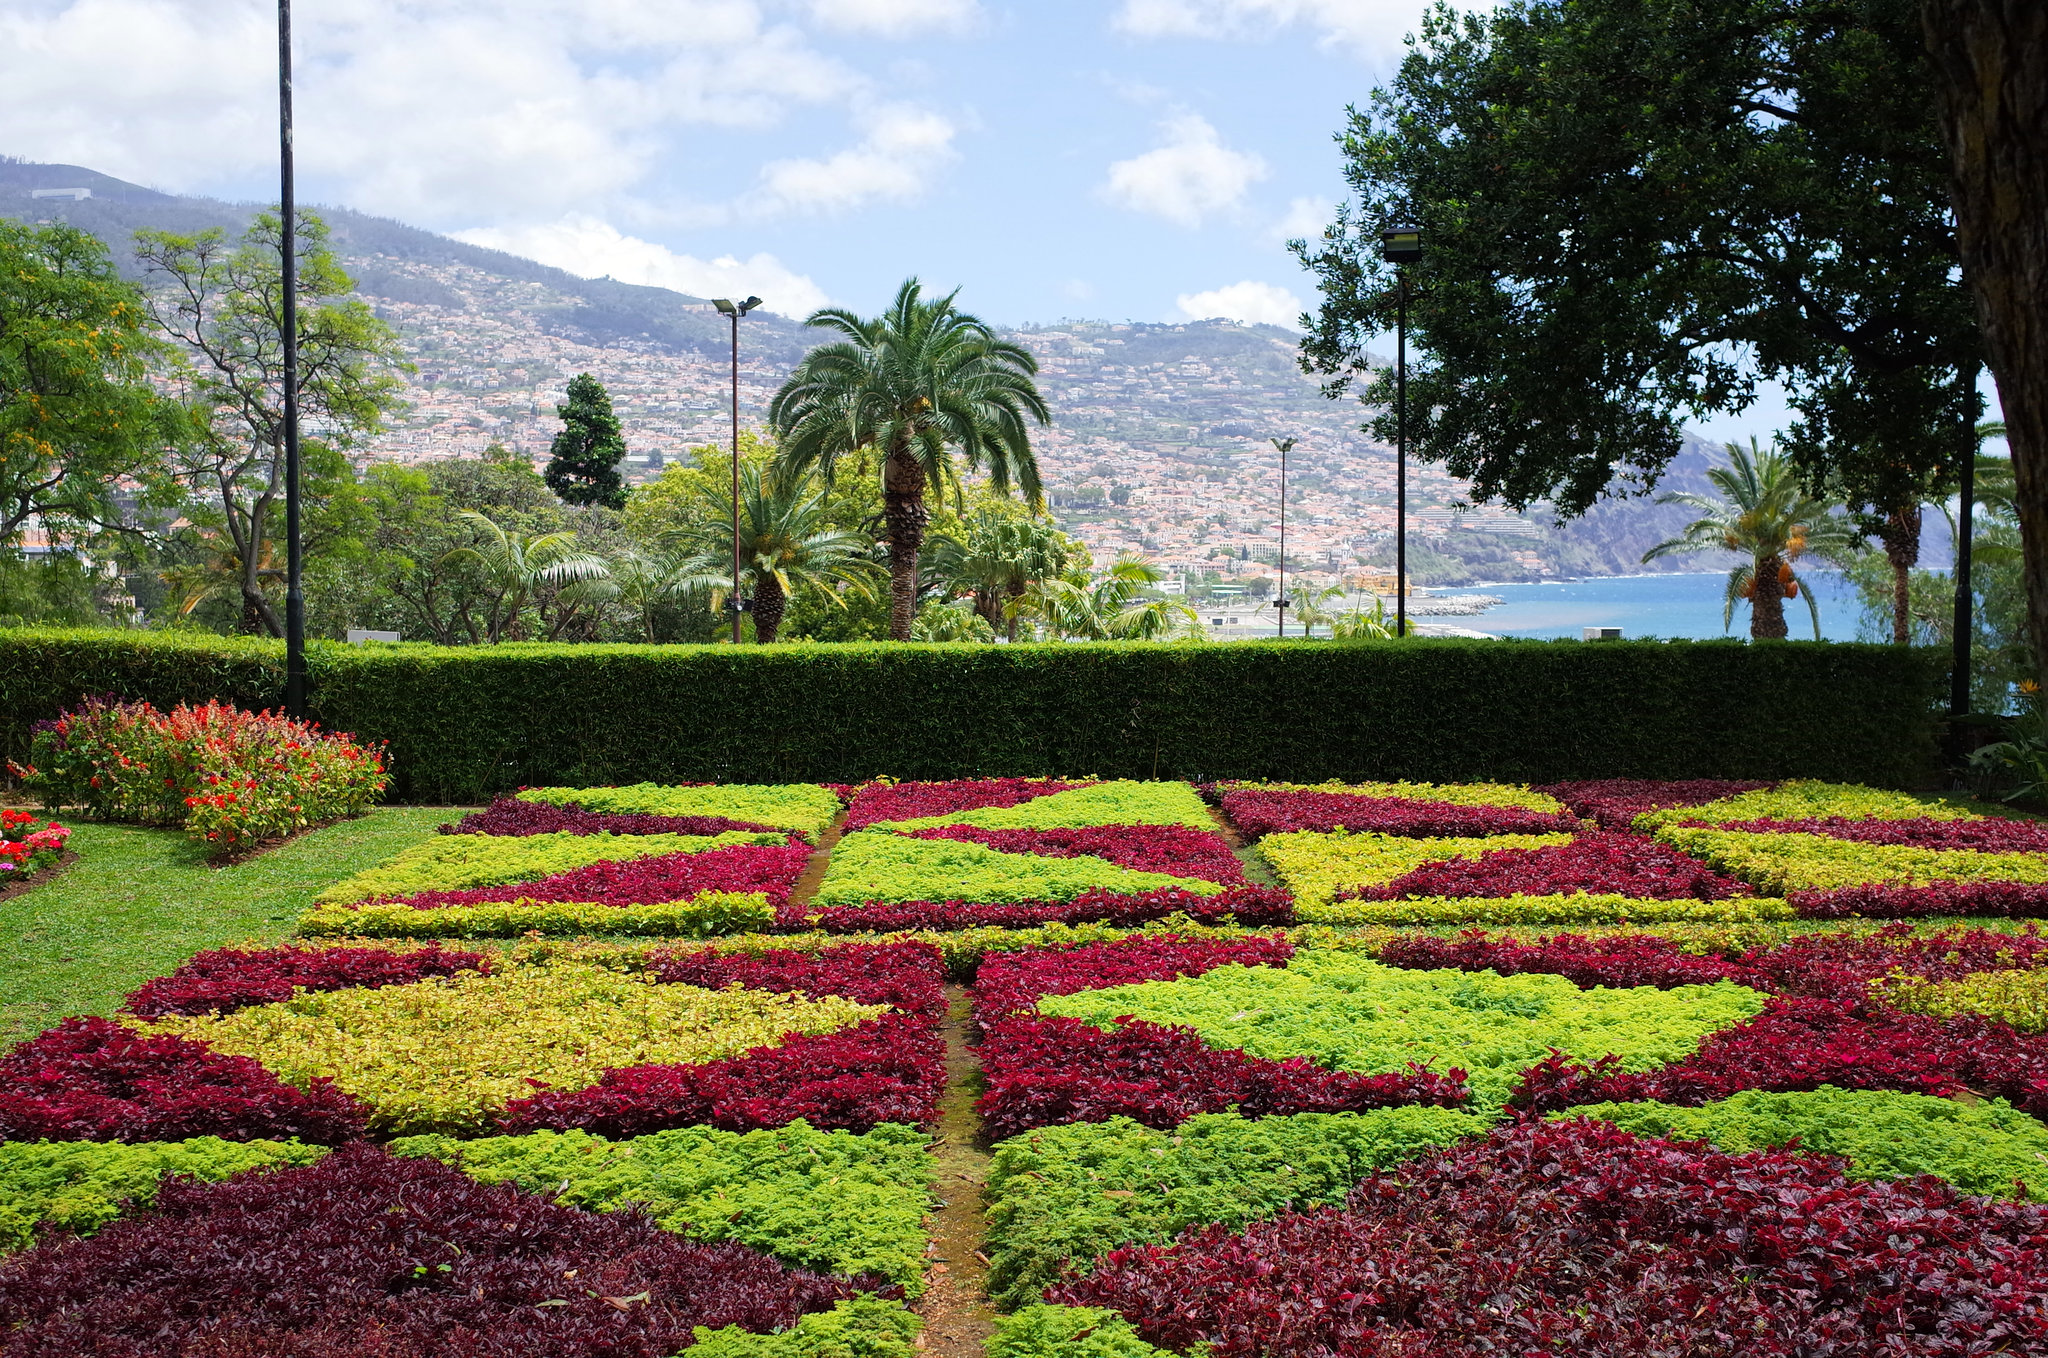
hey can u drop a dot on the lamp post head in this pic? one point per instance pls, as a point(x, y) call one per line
point(1401, 244)
point(1284, 445)
point(749, 305)
point(724, 305)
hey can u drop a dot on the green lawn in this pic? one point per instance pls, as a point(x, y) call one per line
point(139, 902)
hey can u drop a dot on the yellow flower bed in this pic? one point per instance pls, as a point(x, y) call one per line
point(1456, 794)
point(704, 915)
point(1807, 799)
point(446, 1055)
point(1316, 865)
point(1574, 908)
point(804, 808)
point(2016, 997)
point(1778, 863)
point(465, 862)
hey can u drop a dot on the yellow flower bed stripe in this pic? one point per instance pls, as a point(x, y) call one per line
point(705, 915)
point(1120, 802)
point(1455, 794)
point(1316, 865)
point(2016, 997)
point(1807, 799)
point(465, 862)
point(1795, 862)
point(803, 808)
point(1575, 908)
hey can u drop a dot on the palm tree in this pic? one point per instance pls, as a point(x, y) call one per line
point(641, 583)
point(998, 559)
point(910, 385)
point(1111, 608)
point(514, 565)
point(785, 543)
point(1765, 512)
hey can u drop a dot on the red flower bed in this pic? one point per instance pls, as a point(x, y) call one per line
point(1993, 900)
point(1606, 861)
point(876, 802)
point(768, 868)
point(911, 976)
point(889, 1069)
point(1839, 967)
point(1629, 960)
point(1993, 836)
point(1039, 1072)
point(1579, 1238)
point(1616, 802)
point(1011, 984)
point(1173, 849)
point(511, 816)
point(1256, 906)
point(91, 1079)
point(226, 979)
point(1259, 812)
point(369, 1254)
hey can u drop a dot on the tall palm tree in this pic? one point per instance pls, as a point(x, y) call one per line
point(997, 560)
point(912, 385)
point(785, 543)
point(1765, 512)
point(514, 565)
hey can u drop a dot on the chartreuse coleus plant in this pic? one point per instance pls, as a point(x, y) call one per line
point(446, 1055)
point(1061, 1196)
point(829, 1201)
point(1780, 863)
point(1046, 1331)
point(2019, 998)
point(1347, 1012)
point(1121, 802)
point(80, 1186)
point(1806, 799)
point(875, 866)
point(705, 915)
point(464, 862)
point(800, 808)
point(1989, 1148)
point(1316, 865)
point(1571, 908)
point(1450, 794)
point(861, 1327)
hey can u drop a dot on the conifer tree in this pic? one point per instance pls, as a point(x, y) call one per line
point(583, 462)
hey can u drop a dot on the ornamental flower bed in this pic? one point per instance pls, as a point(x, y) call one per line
point(230, 778)
point(28, 845)
point(1418, 809)
point(794, 808)
point(512, 816)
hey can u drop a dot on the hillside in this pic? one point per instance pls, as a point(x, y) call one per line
point(1159, 444)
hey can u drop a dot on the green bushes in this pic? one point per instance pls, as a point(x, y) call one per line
point(80, 1186)
point(464, 722)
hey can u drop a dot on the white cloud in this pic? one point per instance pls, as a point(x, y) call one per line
point(896, 160)
point(895, 18)
point(1252, 302)
point(1366, 25)
point(591, 248)
point(1304, 219)
point(1187, 179)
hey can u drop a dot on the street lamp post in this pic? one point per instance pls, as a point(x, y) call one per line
point(294, 595)
point(1959, 672)
point(733, 311)
point(1280, 604)
point(1401, 246)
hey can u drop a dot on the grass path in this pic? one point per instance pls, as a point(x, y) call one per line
point(139, 902)
point(957, 1316)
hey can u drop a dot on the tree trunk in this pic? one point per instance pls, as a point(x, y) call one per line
point(1767, 600)
point(769, 602)
point(1990, 61)
point(1017, 591)
point(904, 517)
point(1901, 538)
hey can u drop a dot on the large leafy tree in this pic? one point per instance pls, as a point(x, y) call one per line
point(221, 302)
point(78, 415)
point(997, 557)
point(1638, 210)
point(908, 389)
point(583, 461)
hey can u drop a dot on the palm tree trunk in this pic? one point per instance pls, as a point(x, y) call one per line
point(1767, 600)
point(904, 518)
point(1901, 538)
point(1016, 589)
point(769, 602)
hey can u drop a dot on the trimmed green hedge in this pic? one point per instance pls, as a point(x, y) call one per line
point(467, 721)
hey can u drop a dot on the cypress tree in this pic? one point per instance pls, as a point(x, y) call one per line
point(583, 462)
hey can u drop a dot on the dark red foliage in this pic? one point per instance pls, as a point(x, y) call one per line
point(1256, 906)
point(1618, 962)
point(1258, 812)
point(1616, 802)
point(911, 976)
point(889, 1069)
point(1010, 984)
point(1601, 862)
point(1039, 1072)
point(1174, 849)
point(1990, 900)
point(91, 1079)
point(875, 802)
point(369, 1254)
point(1840, 967)
point(511, 816)
point(1577, 1238)
point(768, 868)
point(227, 979)
point(1991, 836)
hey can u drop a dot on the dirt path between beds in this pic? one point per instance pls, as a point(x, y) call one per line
point(955, 1307)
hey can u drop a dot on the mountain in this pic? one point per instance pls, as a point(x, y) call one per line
point(1160, 442)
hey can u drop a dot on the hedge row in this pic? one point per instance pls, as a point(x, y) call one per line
point(466, 722)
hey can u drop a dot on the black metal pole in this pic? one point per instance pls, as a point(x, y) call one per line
point(1959, 677)
point(1280, 606)
point(735, 605)
point(294, 595)
point(1401, 458)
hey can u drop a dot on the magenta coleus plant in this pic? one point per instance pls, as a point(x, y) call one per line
point(513, 816)
point(910, 975)
point(1173, 849)
point(873, 803)
point(1616, 802)
point(1602, 862)
point(1258, 812)
point(226, 979)
point(771, 869)
point(1256, 906)
point(1009, 985)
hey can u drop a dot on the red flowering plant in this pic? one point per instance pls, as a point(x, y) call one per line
point(1616, 802)
point(1259, 812)
point(873, 803)
point(1604, 861)
point(230, 778)
point(28, 844)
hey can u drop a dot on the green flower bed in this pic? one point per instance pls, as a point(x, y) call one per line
point(466, 862)
point(1779, 863)
point(80, 1186)
point(1316, 865)
point(1121, 802)
point(800, 808)
point(1044, 1331)
point(876, 866)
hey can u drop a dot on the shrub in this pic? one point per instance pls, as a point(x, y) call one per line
point(1577, 1237)
point(511, 816)
point(1605, 863)
point(1263, 811)
point(832, 1202)
point(1252, 906)
point(429, 1258)
point(447, 1055)
point(1121, 802)
point(463, 862)
point(1804, 799)
point(1780, 863)
point(2016, 998)
point(229, 777)
point(797, 808)
point(1042, 1331)
point(80, 1186)
point(874, 867)
point(1171, 849)
point(881, 801)
point(28, 845)
point(92, 1079)
point(1614, 803)
point(704, 915)
point(1319, 866)
point(226, 979)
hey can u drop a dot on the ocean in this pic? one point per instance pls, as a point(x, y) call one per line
point(1651, 606)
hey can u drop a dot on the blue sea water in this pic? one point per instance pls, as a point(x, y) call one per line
point(1652, 606)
